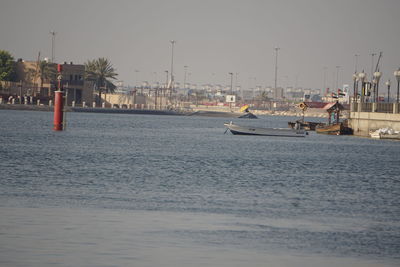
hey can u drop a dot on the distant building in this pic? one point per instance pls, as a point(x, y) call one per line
point(73, 81)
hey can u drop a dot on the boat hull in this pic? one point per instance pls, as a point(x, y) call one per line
point(246, 130)
point(334, 129)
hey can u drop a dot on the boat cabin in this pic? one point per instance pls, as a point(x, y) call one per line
point(334, 110)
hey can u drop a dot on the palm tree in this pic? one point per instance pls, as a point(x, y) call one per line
point(100, 71)
point(46, 72)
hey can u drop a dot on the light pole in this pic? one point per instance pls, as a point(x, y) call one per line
point(377, 76)
point(276, 66)
point(397, 75)
point(388, 87)
point(362, 76)
point(355, 86)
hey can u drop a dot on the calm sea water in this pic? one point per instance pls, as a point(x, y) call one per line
point(144, 190)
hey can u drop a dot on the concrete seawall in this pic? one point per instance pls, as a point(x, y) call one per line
point(364, 122)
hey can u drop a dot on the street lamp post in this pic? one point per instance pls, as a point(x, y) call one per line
point(377, 76)
point(355, 86)
point(362, 76)
point(388, 87)
point(397, 75)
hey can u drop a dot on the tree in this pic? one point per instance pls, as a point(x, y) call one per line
point(7, 66)
point(46, 72)
point(101, 71)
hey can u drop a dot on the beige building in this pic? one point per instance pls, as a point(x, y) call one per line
point(77, 88)
point(30, 83)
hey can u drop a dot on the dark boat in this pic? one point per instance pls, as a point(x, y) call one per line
point(248, 115)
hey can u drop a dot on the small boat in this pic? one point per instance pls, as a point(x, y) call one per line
point(249, 130)
point(248, 114)
point(306, 125)
point(334, 126)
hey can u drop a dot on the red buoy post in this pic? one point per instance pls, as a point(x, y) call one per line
point(58, 111)
point(58, 103)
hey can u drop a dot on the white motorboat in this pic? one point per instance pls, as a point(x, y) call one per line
point(249, 130)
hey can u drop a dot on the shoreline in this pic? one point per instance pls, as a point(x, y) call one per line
point(193, 111)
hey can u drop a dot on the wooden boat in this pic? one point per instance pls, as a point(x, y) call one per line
point(334, 129)
point(249, 130)
point(334, 126)
point(306, 125)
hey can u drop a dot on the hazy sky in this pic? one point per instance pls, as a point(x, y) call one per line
point(213, 37)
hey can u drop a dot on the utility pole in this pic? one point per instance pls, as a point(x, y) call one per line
point(53, 40)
